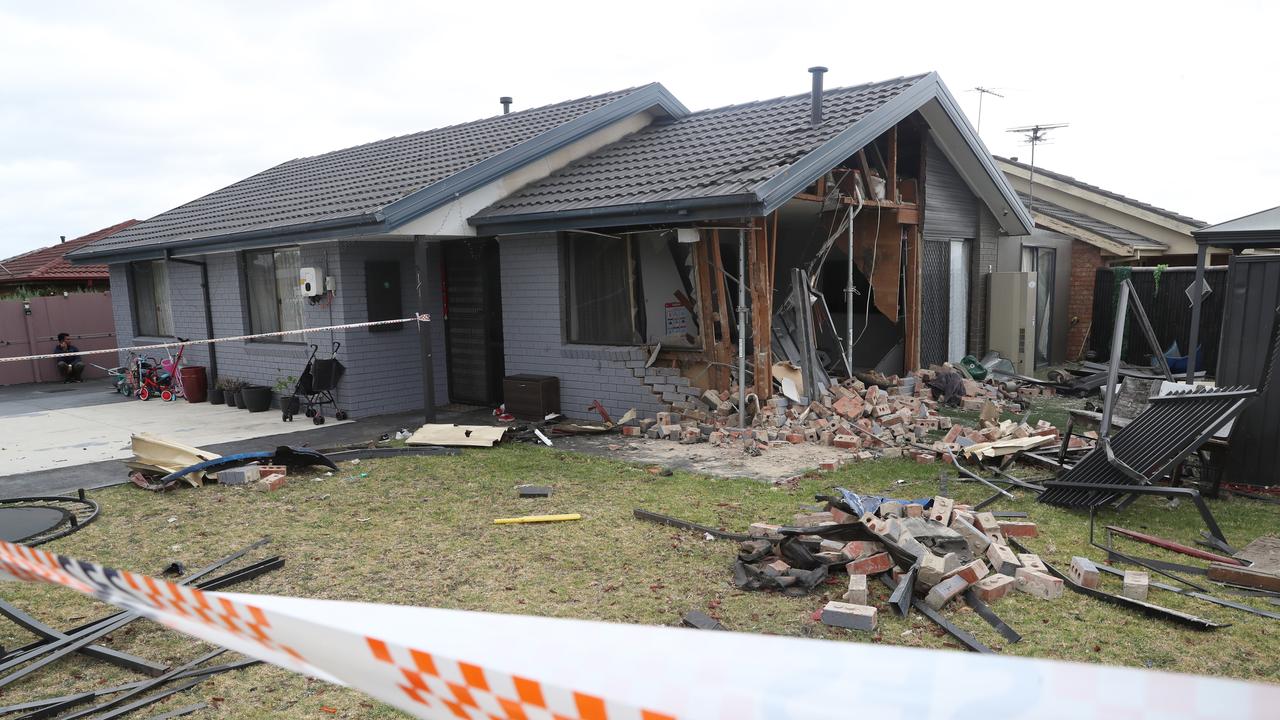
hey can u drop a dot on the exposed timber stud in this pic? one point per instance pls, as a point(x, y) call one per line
point(724, 352)
point(891, 182)
point(911, 346)
point(761, 308)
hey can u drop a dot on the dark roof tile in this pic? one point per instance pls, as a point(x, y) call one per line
point(712, 153)
point(352, 182)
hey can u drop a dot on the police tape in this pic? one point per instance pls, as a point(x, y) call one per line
point(435, 663)
point(420, 317)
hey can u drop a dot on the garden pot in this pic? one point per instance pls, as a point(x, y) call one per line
point(195, 383)
point(216, 395)
point(257, 398)
point(239, 396)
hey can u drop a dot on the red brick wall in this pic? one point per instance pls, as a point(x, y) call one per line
point(1085, 261)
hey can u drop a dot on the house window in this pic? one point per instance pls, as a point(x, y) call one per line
point(602, 306)
point(275, 303)
point(639, 289)
point(149, 283)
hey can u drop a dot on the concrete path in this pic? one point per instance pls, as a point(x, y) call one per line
point(51, 426)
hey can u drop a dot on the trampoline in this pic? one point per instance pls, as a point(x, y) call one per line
point(35, 520)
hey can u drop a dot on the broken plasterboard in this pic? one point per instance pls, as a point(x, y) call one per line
point(789, 376)
point(156, 454)
point(457, 435)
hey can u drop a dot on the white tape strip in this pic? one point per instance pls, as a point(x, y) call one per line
point(454, 664)
point(420, 317)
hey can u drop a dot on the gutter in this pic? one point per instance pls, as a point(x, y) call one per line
point(663, 211)
point(316, 230)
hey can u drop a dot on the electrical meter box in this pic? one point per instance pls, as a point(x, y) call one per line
point(309, 282)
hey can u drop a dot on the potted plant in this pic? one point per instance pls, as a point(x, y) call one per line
point(217, 393)
point(257, 398)
point(284, 386)
point(233, 397)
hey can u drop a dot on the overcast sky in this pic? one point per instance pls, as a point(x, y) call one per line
point(120, 110)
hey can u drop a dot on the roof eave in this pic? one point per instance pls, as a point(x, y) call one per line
point(651, 213)
point(434, 196)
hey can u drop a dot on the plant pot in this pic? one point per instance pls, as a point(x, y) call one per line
point(217, 396)
point(239, 396)
point(257, 398)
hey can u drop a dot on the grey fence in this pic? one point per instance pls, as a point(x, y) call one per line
point(1164, 295)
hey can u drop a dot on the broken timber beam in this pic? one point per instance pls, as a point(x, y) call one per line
point(761, 311)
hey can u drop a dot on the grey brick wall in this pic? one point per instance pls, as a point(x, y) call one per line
point(383, 373)
point(531, 319)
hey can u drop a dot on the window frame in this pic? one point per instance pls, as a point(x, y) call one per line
point(157, 302)
point(246, 262)
point(567, 243)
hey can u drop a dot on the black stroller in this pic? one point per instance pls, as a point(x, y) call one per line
point(315, 388)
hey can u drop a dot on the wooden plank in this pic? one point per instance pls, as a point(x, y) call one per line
point(908, 215)
point(724, 352)
point(866, 173)
point(1247, 577)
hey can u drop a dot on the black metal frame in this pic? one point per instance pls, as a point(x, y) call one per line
point(72, 522)
point(1197, 595)
point(1145, 608)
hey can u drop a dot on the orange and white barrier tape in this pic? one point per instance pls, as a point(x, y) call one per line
point(436, 663)
point(420, 317)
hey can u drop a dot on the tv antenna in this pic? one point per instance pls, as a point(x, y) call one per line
point(1035, 134)
point(983, 92)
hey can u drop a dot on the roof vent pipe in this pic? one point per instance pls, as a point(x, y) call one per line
point(815, 111)
point(63, 238)
point(506, 104)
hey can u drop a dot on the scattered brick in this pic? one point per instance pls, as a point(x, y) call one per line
point(993, 587)
point(1084, 573)
point(1136, 585)
point(848, 615)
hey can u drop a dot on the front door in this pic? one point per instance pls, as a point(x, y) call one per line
point(473, 321)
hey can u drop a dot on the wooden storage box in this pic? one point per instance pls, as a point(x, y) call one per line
point(531, 397)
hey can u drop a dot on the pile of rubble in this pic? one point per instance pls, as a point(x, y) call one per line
point(882, 417)
point(941, 548)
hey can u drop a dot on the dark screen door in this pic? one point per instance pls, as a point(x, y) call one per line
point(473, 321)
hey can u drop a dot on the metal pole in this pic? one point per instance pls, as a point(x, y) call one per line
point(424, 331)
point(1196, 296)
point(1113, 371)
point(742, 328)
point(848, 301)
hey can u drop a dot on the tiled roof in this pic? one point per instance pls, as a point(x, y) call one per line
point(49, 264)
point(722, 152)
point(351, 183)
point(1115, 196)
point(1098, 227)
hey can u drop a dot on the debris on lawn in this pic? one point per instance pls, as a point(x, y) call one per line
point(54, 645)
point(537, 519)
point(36, 520)
point(699, 620)
point(457, 435)
point(533, 491)
point(283, 455)
point(871, 416)
point(155, 456)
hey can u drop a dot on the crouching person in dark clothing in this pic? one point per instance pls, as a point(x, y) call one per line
point(70, 367)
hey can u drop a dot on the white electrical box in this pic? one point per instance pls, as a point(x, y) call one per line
point(1011, 318)
point(309, 282)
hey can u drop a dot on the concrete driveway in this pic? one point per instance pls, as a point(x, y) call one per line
point(52, 425)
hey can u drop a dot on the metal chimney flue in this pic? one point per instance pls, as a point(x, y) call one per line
point(506, 104)
point(62, 238)
point(815, 110)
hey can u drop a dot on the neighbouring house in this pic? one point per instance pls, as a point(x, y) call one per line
point(46, 271)
point(1080, 228)
point(599, 241)
point(42, 293)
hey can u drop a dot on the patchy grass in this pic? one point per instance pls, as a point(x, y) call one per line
point(418, 531)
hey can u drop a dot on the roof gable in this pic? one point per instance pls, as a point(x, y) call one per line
point(378, 185)
point(745, 160)
point(50, 264)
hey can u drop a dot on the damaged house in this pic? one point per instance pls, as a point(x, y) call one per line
point(633, 250)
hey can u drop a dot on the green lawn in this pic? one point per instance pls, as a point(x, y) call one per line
point(418, 531)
